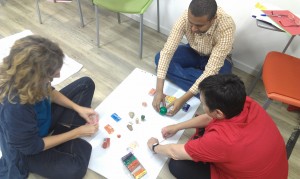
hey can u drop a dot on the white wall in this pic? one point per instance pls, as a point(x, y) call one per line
point(251, 42)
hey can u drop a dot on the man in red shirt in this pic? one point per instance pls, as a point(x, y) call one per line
point(239, 139)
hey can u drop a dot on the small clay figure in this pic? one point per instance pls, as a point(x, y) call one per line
point(131, 115)
point(144, 104)
point(143, 117)
point(130, 127)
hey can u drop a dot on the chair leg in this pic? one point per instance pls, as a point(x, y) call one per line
point(119, 18)
point(141, 35)
point(38, 10)
point(292, 142)
point(158, 23)
point(2, 2)
point(97, 26)
point(267, 103)
point(80, 13)
point(253, 84)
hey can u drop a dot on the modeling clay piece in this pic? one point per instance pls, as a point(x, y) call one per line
point(132, 146)
point(186, 107)
point(129, 127)
point(131, 115)
point(163, 110)
point(152, 92)
point(144, 104)
point(137, 121)
point(116, 117)
point(143, 117)
point(119, 135)
point(94, 119)
point(109, 129)
point(170, 99)
point(106, 143)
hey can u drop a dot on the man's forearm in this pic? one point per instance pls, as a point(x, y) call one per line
point(175, 151)
point(160, 85)
point(200, 121)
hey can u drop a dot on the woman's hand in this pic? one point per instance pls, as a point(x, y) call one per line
point(87, 129)
point(88, 114)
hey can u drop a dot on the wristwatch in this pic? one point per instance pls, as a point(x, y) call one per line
point(153, 146)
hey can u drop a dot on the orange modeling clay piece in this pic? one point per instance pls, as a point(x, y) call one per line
point(106, 143)
point(109, 129)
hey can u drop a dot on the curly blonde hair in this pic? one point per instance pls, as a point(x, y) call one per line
point(24, 72)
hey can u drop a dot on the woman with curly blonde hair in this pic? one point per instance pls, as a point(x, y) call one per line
point(40, 126)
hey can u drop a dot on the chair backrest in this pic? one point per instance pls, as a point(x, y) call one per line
point(125, 6)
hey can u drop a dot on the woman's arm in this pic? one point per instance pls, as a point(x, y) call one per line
point(54, 140)
point(88, 114)
point(60, 99)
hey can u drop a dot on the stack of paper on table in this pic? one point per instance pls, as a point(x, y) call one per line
point(260, 15)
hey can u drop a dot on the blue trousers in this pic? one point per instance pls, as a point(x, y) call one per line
point(182, 169)
point(187, 66)
point(70, 159)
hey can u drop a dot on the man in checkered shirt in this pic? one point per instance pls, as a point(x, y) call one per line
point(210, 35)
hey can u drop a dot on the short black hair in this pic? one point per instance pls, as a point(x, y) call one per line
point(225, 92)
point(201, 8)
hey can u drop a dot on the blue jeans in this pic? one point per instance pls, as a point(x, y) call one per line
point(182, 169)
point(70, 159)
point(187, 66)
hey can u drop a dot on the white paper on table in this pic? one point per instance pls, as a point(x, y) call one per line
point(128, 97)
point(258, 14)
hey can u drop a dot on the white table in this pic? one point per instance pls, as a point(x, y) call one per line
point(128, 96)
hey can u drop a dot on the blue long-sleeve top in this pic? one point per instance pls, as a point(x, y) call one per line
point(20, 136)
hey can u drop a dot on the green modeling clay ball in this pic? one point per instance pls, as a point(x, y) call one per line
point(163, 110)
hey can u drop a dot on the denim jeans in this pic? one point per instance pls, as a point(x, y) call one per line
point(182, 169)
point(70, 159)
point(187, 66)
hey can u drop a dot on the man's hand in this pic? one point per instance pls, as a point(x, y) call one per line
point(157, 100)
point(175, 106)
point(169, 131)
point(178, 103)
point(152, 141)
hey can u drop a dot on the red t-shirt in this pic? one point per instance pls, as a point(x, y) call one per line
point(246, 146)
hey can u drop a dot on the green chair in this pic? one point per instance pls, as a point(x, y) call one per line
point(127, 7)
point(39, 12)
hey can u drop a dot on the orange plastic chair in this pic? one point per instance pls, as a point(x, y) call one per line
point(281, 78)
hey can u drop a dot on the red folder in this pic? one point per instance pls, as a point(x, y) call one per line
point(285, 19)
